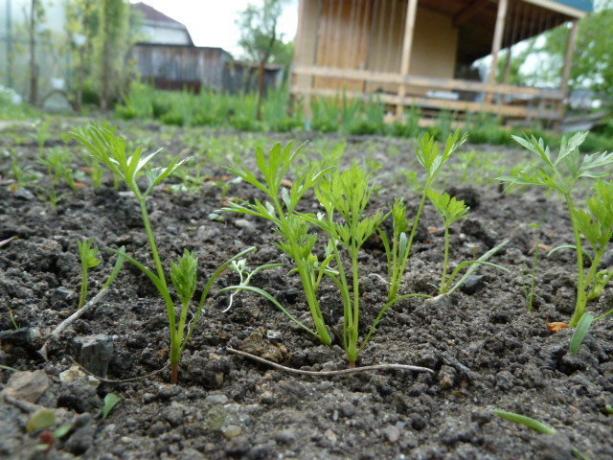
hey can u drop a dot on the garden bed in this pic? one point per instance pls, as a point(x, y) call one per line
point(486, 349)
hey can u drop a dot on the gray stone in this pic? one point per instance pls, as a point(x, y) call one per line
point(27, 385)
point(94, 352)
point(216, 398)
point(83, 437)
point(24, 194)
point(23, 337)
point(347, 409)
point(286, 436)
point(245, 225)
point(472, 284)
point(392, 433)
point(273, 336)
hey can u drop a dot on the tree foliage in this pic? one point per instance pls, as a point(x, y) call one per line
point(592, 61)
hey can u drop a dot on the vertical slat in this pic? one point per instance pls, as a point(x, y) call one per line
point(498, 34)
point(407, 46)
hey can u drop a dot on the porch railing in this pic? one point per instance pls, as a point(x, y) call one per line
point(505, 100)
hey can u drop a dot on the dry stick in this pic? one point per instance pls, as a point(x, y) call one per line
point(8, 240)
point(130, 379)
point(24, 406)
point(353, 370)
point(72, 318)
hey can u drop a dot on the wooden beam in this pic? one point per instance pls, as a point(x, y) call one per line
point(497, 43)
point(427, 82)
point(407, 46)
point(571, 46)
point(468, 12)
point(463, 106)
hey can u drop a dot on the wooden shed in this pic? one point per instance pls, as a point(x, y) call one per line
point(419, 53)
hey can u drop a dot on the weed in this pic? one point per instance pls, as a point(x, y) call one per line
point(110, 149)
point(594, 224)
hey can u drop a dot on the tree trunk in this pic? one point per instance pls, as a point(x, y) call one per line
point(262, 70)
point(33, 99)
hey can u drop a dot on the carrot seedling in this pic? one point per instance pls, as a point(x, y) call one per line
point(297, 240)
point(451, 210)
point(111, 150)
point(560, 173)
point(89, 256)
point(345, 197)
point(432, 159)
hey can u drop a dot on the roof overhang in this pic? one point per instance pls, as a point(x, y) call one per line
point(572, 8)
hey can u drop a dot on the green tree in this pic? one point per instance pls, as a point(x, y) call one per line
point(82, 24)
point(593, 59)
point(592, 62)
point(260, 38)
point(112, 47)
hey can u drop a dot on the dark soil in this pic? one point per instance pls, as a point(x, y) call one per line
point(487, 350)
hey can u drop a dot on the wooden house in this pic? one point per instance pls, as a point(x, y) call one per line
point(166, 57)
point(419, 53)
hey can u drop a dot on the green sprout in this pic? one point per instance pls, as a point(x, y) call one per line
point(89, 256)
point(297, 240)
point(345, 197)
point(111, 150)
point(58, 162)
point(530, 290)
point(451, 210)
point(528, 422)
point(432, 159)
point(594, 224)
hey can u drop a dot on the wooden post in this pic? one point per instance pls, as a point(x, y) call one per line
point(568, 66)
point(407, 46)
point(496, 45)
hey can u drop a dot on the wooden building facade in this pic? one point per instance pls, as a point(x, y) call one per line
point(420, 52)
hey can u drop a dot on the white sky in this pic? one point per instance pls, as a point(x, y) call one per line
point(213, 22)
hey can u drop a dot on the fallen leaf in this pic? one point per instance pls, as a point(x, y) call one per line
point(41, 419)
point(557, 326)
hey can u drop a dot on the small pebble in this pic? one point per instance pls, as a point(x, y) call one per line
point(392, 433)
point(231, 431)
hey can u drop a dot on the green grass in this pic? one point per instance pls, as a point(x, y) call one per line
point(339, 114)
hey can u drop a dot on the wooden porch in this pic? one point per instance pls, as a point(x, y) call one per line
point(413, 53)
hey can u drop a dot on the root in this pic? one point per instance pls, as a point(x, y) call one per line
point(353, 370)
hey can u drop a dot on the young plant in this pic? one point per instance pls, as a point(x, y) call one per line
point(297, 240)
point(59, 166)
point(111, 150)
point(432, 159)
point(526, 421)
point(451, 210)
point(23, 175)
point(561, 173)
point(89, 256)
point(345, 197)
point(530, 290)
